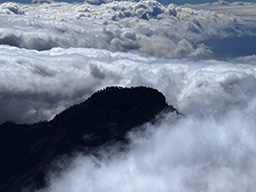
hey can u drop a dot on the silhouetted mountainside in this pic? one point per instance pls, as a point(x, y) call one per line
point(102, 119)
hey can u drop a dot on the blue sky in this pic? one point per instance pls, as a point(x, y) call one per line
point(178, 2)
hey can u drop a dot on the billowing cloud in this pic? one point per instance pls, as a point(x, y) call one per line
point(55, 55)
point(247, 59)
point(36, 85)
point(147, 28)
point(242, 9)
point(185, 154)
point(10, 8)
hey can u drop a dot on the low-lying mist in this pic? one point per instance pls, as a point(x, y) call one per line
point(192, 153)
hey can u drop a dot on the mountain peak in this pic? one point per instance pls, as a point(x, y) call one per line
point(103, 118)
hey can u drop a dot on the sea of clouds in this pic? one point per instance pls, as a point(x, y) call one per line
point(55, 55)
point(147, 28)
point(37, 85)
point(212, 148)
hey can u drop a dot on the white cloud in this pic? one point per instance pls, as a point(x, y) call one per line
point(241, 9)
point(47, 82)
point(212, 148)
point(189, 154)
point(247, 59)
point(146, 28)
point(11, 8)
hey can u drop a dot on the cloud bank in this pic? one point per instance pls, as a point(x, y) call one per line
point(212, 148)
point(36, 85)
point(241, 9)
point(147, 28)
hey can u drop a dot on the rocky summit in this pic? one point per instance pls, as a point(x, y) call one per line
point(104, 118)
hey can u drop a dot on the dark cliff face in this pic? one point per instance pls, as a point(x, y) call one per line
point(103, 118)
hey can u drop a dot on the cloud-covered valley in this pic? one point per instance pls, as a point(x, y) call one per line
point(55, 55)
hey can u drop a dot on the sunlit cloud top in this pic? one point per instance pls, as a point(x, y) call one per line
point(147, 28)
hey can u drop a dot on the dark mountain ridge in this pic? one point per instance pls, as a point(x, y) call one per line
point(106, 117)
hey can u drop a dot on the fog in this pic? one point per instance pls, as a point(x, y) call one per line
point(189, 154)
